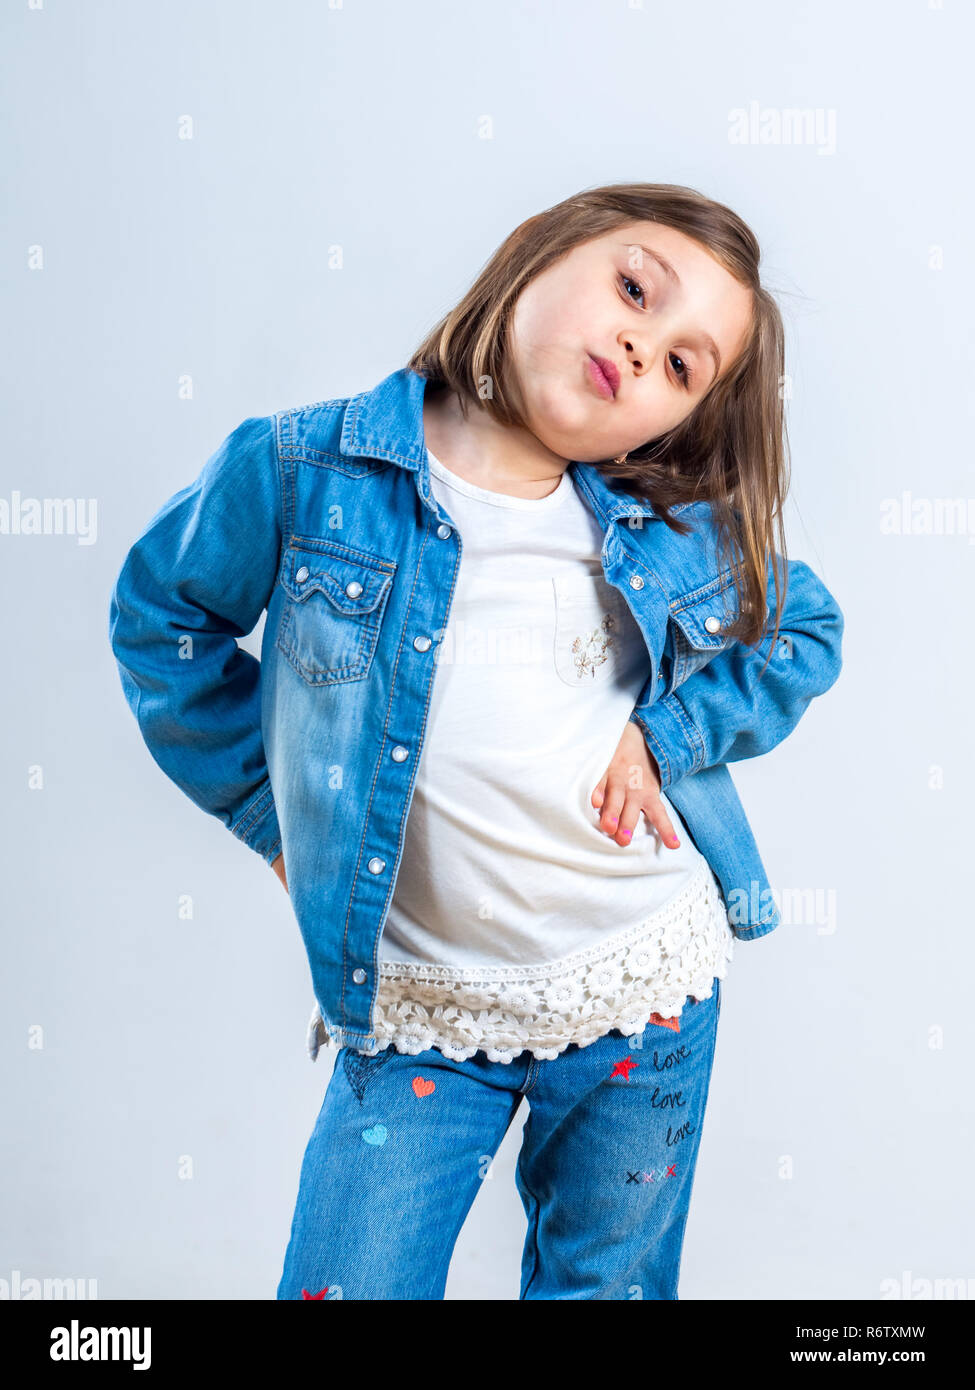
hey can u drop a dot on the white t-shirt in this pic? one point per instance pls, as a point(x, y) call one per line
point(509, 900)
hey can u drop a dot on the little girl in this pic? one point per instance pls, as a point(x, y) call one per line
point(524, 605)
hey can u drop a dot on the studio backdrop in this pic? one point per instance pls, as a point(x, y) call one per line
point(221, 210)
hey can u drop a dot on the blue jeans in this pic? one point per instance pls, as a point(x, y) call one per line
point(402, 1144)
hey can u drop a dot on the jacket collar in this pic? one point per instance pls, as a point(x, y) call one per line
point(387, 423)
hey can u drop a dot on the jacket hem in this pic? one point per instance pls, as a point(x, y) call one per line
point(751, 931)
point(257, 825)
point(321, 1035)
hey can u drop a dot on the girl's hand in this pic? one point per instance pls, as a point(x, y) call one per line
point(278, 867)
point(631, 784)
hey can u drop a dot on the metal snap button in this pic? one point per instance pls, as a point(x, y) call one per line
point(422, 644)
point(354, 589)
point(399, 754)
point(636, 582)
point(376, 865)
point(301, 575)
point(712, 624)
point(443, 531)
point(359, 976)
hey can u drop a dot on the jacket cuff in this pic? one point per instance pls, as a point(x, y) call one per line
point(672, 738)
point(257, 825)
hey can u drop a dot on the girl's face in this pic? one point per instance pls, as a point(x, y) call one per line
point(618, 341)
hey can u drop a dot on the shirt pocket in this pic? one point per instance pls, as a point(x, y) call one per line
point(695, 631)
point(336, 598)
point(590, 629)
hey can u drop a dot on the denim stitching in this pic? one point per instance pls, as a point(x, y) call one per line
point(360, 1069)
point(423, 722)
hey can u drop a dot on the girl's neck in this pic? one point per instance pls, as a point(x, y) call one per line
point(500, 458)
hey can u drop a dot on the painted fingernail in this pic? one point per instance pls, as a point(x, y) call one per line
point(613, 820)
point(626, 833)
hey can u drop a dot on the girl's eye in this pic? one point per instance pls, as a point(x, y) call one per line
point(684, 374)
point(688, 375)
point(627, 281)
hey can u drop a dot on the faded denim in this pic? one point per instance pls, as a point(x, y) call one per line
point(605, 1171)
point(323, 515)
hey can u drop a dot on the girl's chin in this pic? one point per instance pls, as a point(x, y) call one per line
point(567, 429)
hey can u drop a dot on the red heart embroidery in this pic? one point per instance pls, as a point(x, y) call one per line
point(306, 1294)
point(665, 1022)
point(422, 1088)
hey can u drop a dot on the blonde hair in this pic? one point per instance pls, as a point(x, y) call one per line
point(731, 451)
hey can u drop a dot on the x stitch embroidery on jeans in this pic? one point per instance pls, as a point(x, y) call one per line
point(653, 1175)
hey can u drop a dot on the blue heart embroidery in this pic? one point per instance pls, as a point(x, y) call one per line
point(376, 1135)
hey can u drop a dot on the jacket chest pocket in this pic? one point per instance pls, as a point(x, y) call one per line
point(695, 633)
point(337, 595)
point(593, 630)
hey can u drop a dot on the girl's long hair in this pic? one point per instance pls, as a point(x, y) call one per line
point(731, 451)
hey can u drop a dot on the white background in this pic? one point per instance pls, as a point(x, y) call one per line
point(845, 1046)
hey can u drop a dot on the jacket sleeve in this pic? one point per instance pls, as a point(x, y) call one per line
point(724, 713)
point(197, 578)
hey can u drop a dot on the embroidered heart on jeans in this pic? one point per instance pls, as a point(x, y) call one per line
point(423, 1088)
point(665, 1022)
point(376, 1135)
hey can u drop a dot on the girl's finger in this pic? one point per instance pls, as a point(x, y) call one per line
point(598, 793)
point(613, 799)
point(655, 813)
point(632, 810)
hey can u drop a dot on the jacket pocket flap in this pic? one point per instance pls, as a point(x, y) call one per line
point(703, 620)
point(350, 580)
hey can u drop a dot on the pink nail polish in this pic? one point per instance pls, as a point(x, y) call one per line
point(627, 833)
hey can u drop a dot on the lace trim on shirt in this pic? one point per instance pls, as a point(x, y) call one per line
point(504, 1010)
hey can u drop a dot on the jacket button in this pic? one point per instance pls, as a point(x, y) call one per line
point(443, 531)
point(400, 754)
point(422, 644)
point(301, 575)
point(354, 589)
point(376, 865)
point(636, 582)
point(712, 624)
point(359, 976)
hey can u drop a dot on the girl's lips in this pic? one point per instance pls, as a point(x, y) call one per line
point(604, 376)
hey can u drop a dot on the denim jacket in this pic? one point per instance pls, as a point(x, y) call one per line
point(323, 515)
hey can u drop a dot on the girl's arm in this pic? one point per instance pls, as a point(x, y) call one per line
point(197, 578)
point(724, 713)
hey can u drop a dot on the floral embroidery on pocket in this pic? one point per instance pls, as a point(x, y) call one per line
point(593, 649)
point(593, 633)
